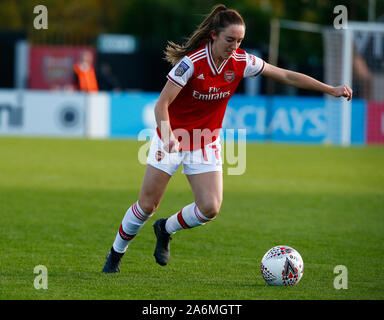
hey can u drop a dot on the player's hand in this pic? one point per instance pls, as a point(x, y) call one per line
point(343, 91)
point(172, 146)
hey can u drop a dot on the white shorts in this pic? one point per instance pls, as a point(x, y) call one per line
point(197, 161)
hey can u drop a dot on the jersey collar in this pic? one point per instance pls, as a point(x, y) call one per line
point(211, 62)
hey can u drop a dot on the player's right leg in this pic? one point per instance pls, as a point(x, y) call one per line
point(204, 172)
point(154, 184)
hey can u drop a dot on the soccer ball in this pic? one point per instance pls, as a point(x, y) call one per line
point(282, 266)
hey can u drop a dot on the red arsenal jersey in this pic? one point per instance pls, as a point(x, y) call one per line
point(200, 106)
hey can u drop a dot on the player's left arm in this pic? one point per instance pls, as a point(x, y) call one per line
point(302, 81)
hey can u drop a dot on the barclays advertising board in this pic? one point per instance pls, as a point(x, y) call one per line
point(280, 118)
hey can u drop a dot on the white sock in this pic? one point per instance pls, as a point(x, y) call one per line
point(187, 218)
point(132, 222)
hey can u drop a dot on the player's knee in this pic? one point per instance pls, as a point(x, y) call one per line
point(210, 209)
point(149, 206)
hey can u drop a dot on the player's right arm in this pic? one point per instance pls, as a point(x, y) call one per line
point(167, 95)
point(177, 79)
point(300, 80)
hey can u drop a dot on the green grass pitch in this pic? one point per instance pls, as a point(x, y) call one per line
point(62, 201)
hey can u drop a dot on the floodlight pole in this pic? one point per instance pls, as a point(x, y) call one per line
point(346, 78)
point(371, 10)
point(274, 42)
point(274, 39)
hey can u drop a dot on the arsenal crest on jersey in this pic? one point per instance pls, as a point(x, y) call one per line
point(229, 76)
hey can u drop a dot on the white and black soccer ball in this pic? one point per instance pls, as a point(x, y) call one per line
point(282, 266)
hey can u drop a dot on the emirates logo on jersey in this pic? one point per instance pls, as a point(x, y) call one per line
point(211, 96)
point(229, 76)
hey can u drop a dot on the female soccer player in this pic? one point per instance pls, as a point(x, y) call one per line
point(189, 112)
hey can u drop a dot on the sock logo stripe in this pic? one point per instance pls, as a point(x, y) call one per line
point(125, 236)
point(138, 214)
point(182, 221)
point(199, 216)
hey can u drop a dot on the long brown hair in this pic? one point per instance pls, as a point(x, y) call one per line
point(218, 19)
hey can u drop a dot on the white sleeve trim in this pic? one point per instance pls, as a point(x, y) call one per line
point(181, 72)
point(255, 66)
